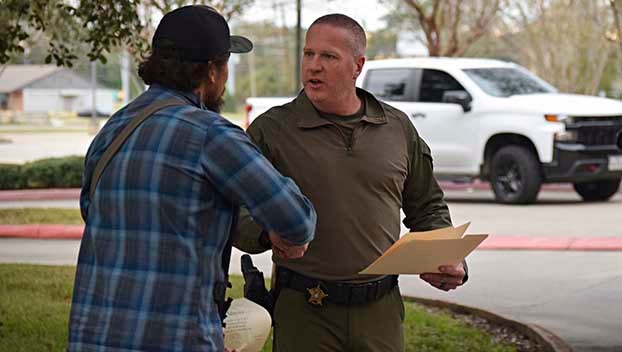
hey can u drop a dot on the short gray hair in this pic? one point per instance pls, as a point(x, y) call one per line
point(359, 40)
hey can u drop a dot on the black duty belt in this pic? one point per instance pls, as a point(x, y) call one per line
point(319, 291)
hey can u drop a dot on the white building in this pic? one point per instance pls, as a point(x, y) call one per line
point(48, 88)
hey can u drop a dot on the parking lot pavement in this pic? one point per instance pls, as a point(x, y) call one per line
point(555, 214)
point(576, 295)
point(32, 146)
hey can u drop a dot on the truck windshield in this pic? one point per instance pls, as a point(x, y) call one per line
point(508, 81)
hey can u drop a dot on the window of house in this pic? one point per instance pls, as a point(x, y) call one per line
point(4, 101)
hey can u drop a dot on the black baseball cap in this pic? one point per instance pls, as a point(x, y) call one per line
point(196, 33)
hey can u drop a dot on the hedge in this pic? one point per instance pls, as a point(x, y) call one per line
point(63, 172)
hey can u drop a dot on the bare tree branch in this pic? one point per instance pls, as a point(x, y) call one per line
point(450, 26)
point(616, 8)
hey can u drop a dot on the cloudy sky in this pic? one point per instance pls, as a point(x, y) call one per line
point(367, 12)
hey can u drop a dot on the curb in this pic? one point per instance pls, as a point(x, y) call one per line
point(36, 231)
point(552, 243)
point(548, 341)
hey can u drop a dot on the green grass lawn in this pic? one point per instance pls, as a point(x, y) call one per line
point(35, 302)
point(17, 216)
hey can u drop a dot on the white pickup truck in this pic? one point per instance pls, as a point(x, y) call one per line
point(498, 122)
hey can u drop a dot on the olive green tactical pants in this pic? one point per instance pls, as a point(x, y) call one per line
point(373, 327)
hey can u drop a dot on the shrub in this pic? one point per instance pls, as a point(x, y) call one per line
point(53, 172)
point(11, 177)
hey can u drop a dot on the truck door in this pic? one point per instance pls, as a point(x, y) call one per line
point(449, 130)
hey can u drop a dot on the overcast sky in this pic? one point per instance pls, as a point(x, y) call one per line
point(367, 12)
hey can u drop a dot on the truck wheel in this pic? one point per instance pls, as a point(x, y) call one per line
point(515, 175)
point(597, 191)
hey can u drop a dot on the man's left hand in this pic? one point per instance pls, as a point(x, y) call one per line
point(449, 278)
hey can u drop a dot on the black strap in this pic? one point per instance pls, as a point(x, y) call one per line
point(220, 288)
point(342, 293)
point(118, 141)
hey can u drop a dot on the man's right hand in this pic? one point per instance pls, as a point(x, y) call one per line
point(284, 249)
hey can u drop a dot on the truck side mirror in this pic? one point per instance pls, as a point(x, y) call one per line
point(460, 97)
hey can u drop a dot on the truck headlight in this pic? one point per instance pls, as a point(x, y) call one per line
point(566, 136)
point(559, 118)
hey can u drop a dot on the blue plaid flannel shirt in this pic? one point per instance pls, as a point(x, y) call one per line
point(158, 222)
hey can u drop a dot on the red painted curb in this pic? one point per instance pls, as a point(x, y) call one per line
point(40, 194)
point(552, 243)
point(40, 231)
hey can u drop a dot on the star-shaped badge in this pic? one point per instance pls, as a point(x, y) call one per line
point(316, 295)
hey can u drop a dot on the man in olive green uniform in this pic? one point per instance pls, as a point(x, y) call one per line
point(359, 161)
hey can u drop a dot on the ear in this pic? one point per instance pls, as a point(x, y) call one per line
point(211, 74)
point(358, 63)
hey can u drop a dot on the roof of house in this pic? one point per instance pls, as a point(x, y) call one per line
point(15, 77)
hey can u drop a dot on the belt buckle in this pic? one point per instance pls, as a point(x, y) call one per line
point(316, 295)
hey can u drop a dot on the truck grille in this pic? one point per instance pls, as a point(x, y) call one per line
point(597, 130)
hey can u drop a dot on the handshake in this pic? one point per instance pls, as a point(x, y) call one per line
point(254, 284)
point(283, 248)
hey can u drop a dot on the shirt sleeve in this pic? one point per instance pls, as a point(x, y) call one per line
point(248, 232)
point(244, 176)
point(423, 200)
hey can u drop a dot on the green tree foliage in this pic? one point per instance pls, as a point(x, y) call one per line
point(68, 29)
point(72, 30)
point(381, 44)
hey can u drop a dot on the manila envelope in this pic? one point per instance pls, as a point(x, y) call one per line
point(424, 252)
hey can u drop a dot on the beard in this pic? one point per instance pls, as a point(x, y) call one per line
point(215, 103)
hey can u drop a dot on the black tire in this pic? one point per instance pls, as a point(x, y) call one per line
point(597, 191)
point(515, 175)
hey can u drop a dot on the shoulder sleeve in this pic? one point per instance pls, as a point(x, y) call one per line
point(423, 200)
point(264, 129)
point(248, 232)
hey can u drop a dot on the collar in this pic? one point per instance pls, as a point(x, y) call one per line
point(190, 97)
point(310, 118)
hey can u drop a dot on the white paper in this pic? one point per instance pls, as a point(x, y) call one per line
point(424, 252)
point(247, 326)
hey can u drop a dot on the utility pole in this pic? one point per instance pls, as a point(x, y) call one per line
point(125, 76)
point(94, 95)
point(298, 45)
point(251, 67)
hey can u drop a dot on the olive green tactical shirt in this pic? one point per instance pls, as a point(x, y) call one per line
point(357, 184)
